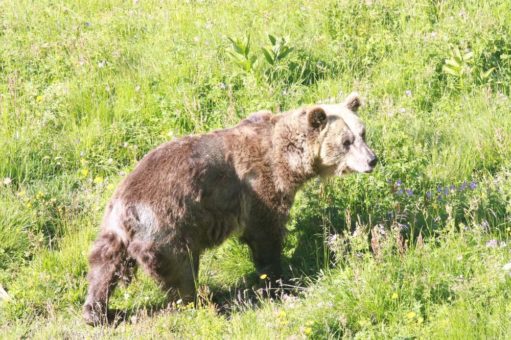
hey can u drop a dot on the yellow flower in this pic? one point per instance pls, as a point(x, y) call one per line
point(110, 186)
point(411, 315)
point(39, 98)
point(98, 180)
point(420, 320)
point(394, 296)
point(39, 195)
point(307, 331)
point(263, 276)
point(281, 314)
point(84, 172)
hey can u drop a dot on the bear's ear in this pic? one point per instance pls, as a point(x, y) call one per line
point(316, 117)
point(353, 101)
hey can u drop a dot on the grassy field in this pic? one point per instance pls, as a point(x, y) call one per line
point(417, 249)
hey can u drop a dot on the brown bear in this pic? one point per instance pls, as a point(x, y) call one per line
point(190, 194)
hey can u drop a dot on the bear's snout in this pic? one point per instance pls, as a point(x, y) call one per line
point(372, 161)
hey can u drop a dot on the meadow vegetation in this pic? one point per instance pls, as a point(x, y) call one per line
point(417, 249)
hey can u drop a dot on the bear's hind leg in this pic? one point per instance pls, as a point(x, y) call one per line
point(108, 263)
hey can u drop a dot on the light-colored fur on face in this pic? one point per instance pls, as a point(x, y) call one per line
point(342, 146)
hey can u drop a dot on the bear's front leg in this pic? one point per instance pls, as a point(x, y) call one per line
point(265, 243)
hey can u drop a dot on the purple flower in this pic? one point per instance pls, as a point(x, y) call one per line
point(439, 197)
point(446, 191)
point(463, 186)
point(492, 243)
point(409, 192)
point(473, 185)
point(439, 188)
point(452, 187)
point(399, 192)
point(398, 183)
point(428, 194)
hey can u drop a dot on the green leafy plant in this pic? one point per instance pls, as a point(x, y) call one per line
point(462, 67)
point(278, 50)
point(240, 54)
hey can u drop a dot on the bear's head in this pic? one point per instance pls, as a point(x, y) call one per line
point(340, 145)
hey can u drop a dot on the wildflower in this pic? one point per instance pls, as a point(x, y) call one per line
point(39, 98)
point(408, 93)
point(84, 172)
point(307, 331)
point(439, 189)
point(263, 276)
point(411, 315)
point(492, 243)
point(102, 64)
point(507, 267)
point(394, 296)
point(398, 183)
point(409, 192)
point(98, 180)
point(137, 88)
point(87, 24)
point(473, 185)
point(399, 192)
point(428, 194)
point(222, 86)
point(39, 195)
point(402, 110)
point(7, 181)
point(452, 188)
point(281, 314)
point(463, 186)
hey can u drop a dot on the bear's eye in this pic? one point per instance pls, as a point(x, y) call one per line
point(346, 143)
point(363, 135)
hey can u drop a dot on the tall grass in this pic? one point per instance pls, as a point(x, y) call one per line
point(415, 249)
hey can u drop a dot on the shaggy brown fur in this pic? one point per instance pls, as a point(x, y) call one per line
point(190, 194)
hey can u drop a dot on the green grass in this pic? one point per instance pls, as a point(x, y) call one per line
point(88, 87)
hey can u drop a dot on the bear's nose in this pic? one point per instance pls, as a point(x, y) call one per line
point(373, 161)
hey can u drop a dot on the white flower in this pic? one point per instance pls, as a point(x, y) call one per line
point(7, 181)
point(408, 93)
point(507, 267)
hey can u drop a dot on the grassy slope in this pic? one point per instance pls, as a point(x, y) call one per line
point(86, 88)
